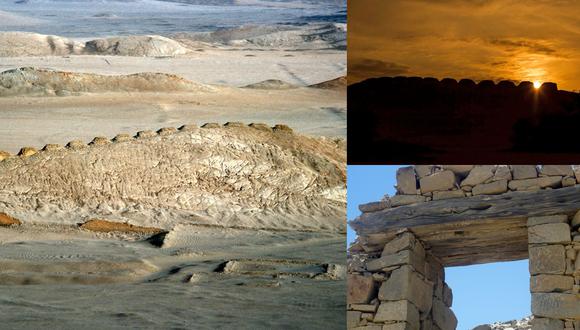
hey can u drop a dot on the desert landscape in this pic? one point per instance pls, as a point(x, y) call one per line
point(155, 174)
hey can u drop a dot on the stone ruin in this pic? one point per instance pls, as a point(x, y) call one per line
point(459, 215)
point(422, 119)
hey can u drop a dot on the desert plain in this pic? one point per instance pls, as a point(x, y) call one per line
point(191, 179)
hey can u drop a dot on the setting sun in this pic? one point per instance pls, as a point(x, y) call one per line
point(537, 84)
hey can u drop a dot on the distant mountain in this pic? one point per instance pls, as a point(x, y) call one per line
point(523, 324)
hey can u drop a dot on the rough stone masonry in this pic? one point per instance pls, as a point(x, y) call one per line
point(448, 215)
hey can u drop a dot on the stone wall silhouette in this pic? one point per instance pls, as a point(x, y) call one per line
point(409, 119)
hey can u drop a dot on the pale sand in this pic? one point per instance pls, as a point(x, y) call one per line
point(34, 121)
point(133, 284)
point(228, 66)
point(71, 278)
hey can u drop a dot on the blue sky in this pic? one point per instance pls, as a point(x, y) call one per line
point(481, 293)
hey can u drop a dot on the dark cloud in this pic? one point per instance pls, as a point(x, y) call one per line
point(530, 46)
point(375, 68)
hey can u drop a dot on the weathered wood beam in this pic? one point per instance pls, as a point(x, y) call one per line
point(470, 209)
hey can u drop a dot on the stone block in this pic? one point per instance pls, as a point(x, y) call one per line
point(440, 181)
point(568, 181)
point(536, 183)
point(524, 171)
point(424, 170)
point(406, 180)
point(460, 170)
point(400, 200)
point(447, 295)
point(548, 259)
point(551, 170)
point(576, 220)
point(560, 218)
point(375, 206)
point(352, 319)
point(493, 188)
point(502, 172)
point(443, 316)
point(366, 308)
point(438, 195)
point(433, 269)
point(551, 283)
point(401, 310)
point(479, 174)
point(361, 289)
point(549, 233)
point(406, 284)
point(405, 241)
point(556, 305)
point(405, 257)
point(539, 323)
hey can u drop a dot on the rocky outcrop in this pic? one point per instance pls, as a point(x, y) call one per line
point(523, 324)
point(45, 82)
point(225, 176)
point(34, 44)
point(135, 46)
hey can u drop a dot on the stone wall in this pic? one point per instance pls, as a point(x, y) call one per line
point(554, 243)
point(402, 286)
point(422, 183)
point(402, 289)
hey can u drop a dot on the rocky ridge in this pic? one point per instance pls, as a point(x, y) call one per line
point(233, 176)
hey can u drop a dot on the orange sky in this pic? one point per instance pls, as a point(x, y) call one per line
point(478, 39)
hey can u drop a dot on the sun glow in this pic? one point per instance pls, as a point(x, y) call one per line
point(537, 84)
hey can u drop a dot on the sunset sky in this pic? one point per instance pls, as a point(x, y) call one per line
point(478, 39)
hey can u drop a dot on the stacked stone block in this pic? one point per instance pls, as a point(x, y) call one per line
point(402, 289)
point(554, 243)
point(423, 183)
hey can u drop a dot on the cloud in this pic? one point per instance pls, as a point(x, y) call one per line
point(478, 39)
point(375, 68)
point(535, 47)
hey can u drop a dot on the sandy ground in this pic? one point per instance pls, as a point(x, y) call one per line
point(36, 121)
point(58, 276)
point(225, 66)
point(175, 286)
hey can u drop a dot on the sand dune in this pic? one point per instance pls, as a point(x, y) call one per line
point(337, 84)
point(312, 36)
point(315, 36)
point(33, 44)
point(13, 44)
point(135, 46)
point(45, 82)
point(230, 176)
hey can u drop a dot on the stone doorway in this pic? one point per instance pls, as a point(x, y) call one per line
point(397, 266)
